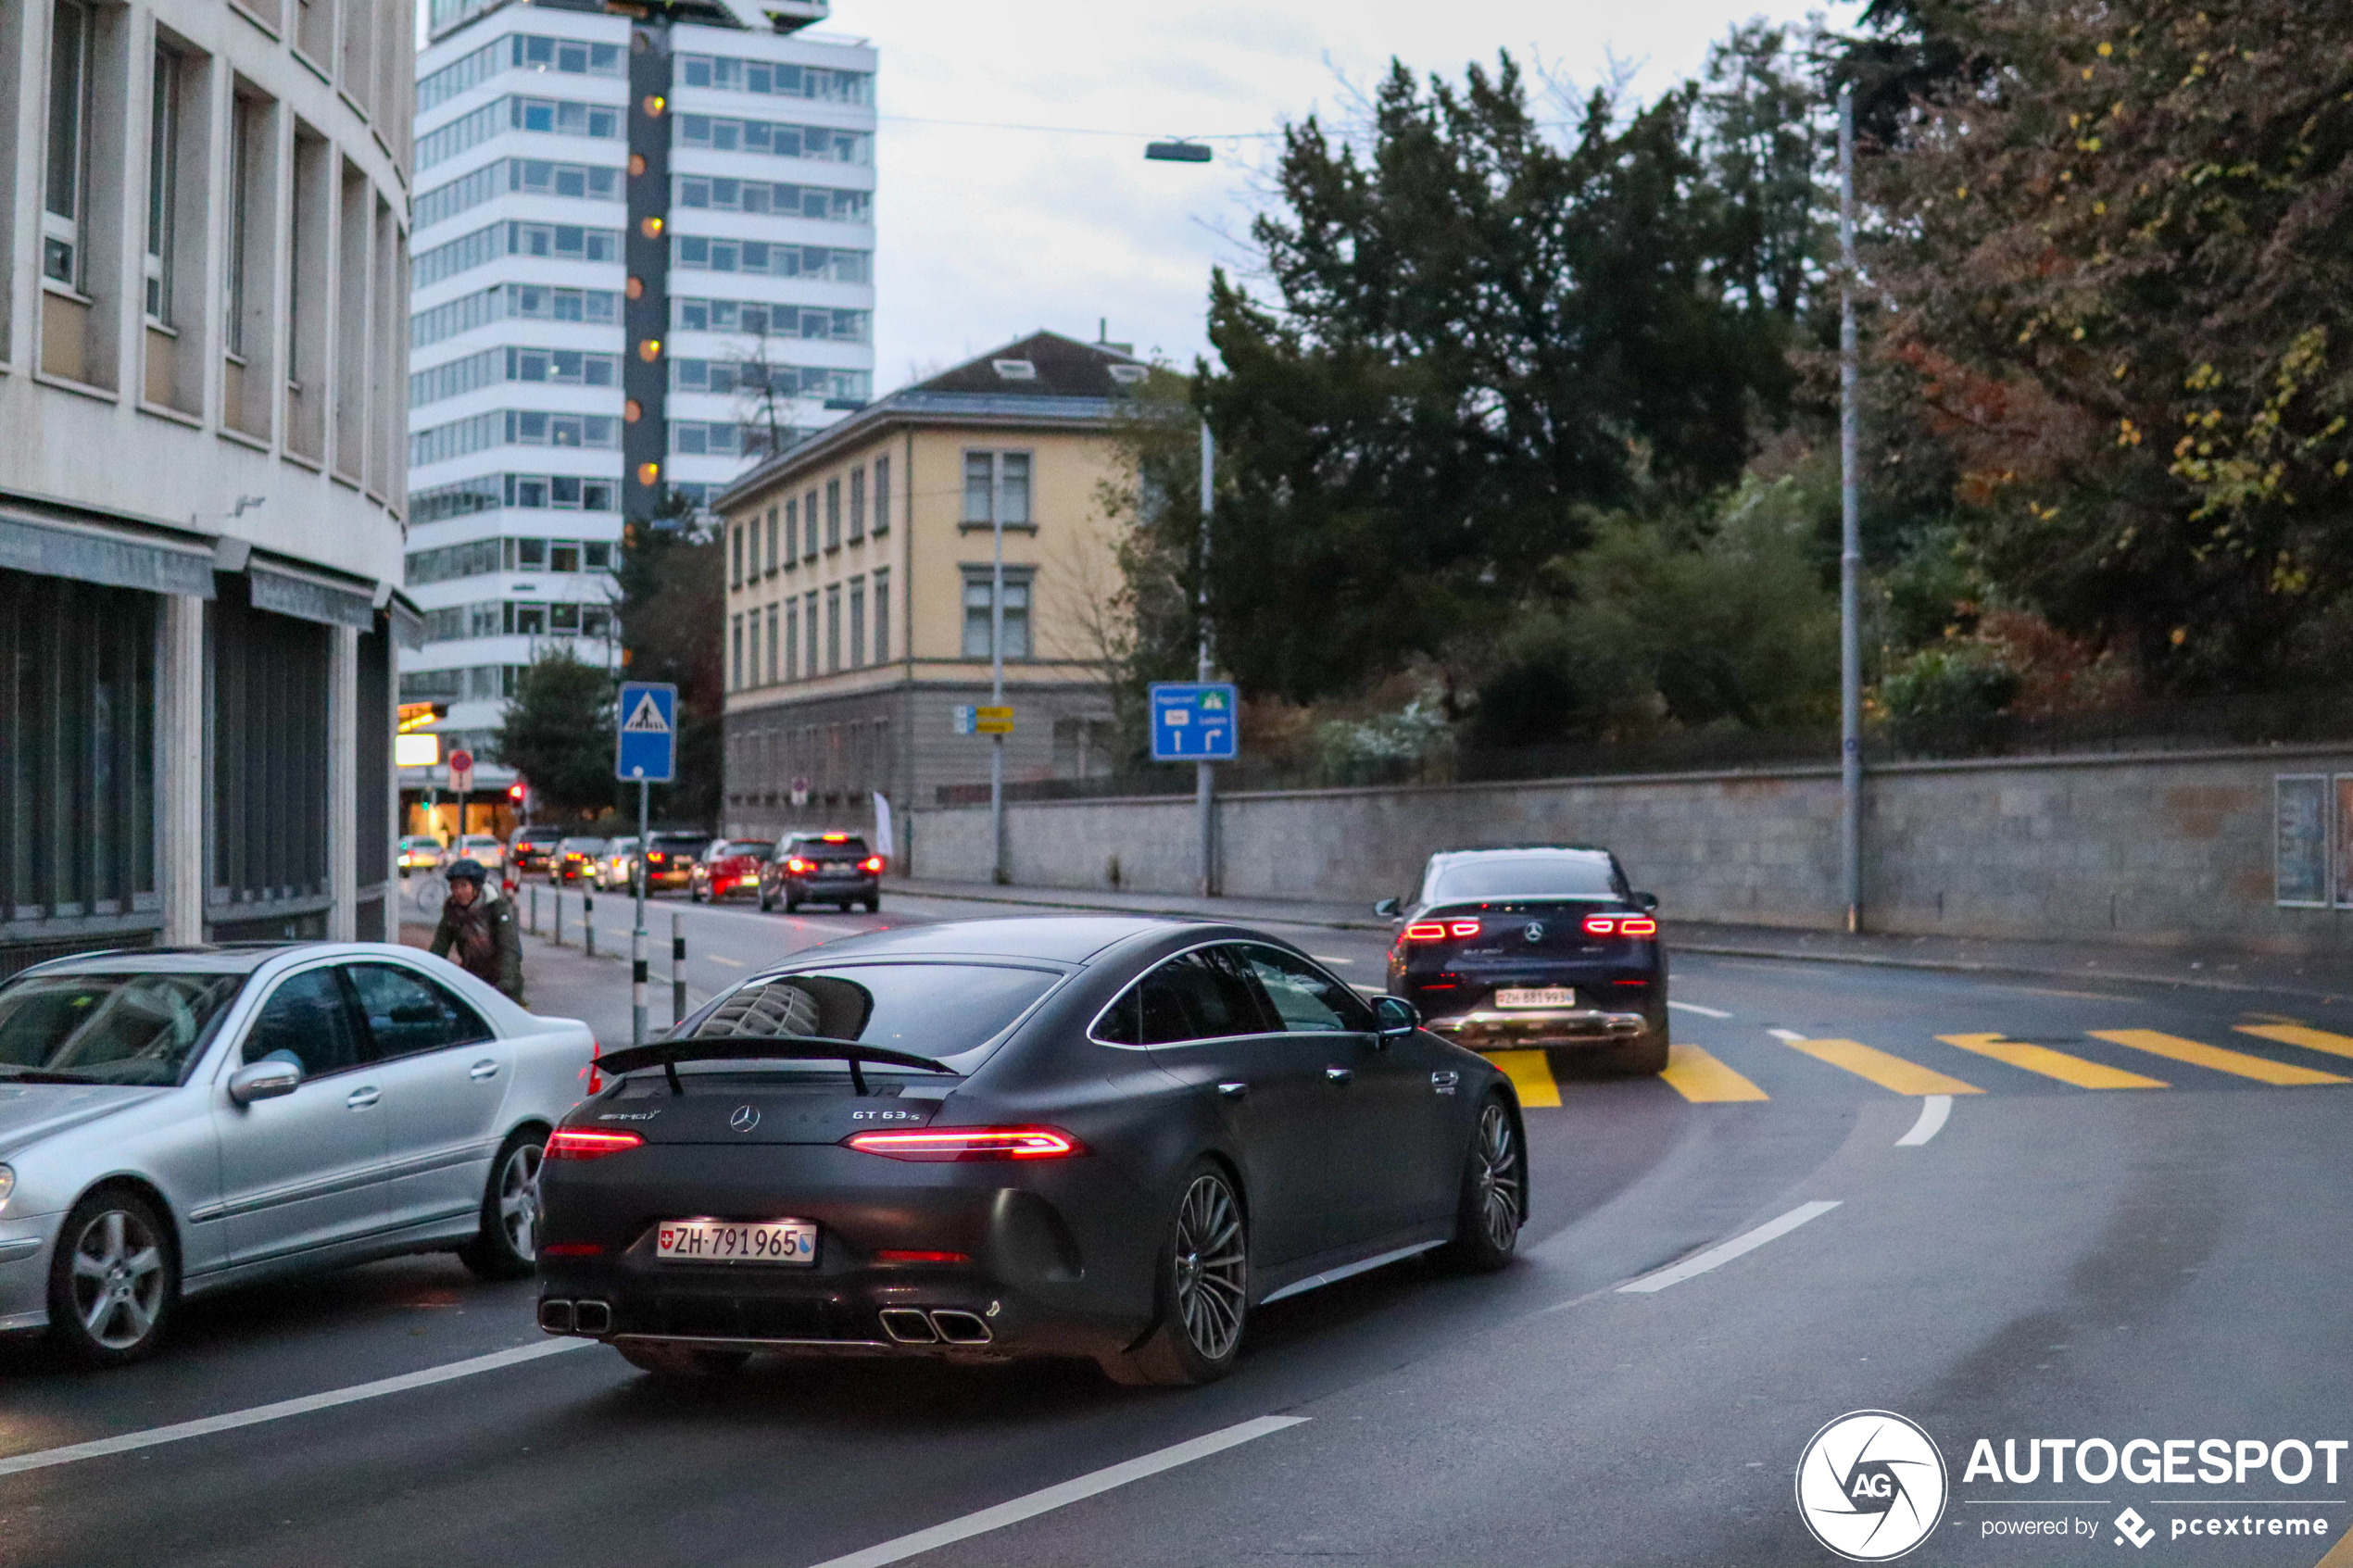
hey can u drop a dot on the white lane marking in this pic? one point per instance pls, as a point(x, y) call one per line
point(1069, 1492)
point(42, 1459)
point(1786, 1036)
point(1934, 1109)
point(1724, 1252)
point(1703, 1013)
point(1329, 958)
point(722, 957)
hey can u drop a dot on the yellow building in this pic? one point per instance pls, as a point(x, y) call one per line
point(859, 567)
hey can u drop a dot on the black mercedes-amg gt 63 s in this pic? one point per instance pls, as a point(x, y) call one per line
point(1097, 1137)
point(1535, 946)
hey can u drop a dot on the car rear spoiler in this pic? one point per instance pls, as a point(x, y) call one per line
point(667, 1054)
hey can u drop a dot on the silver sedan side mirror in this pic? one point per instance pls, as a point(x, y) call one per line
point(264, 1080)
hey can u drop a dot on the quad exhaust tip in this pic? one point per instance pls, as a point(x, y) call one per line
point(556, 1316)
point(960, 1328)
point(914, 1325)
point(908, 1326)
point(575, 1317)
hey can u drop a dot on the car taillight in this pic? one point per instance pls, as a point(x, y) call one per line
point(1426, 931)
point(970, 1143)
point(589, 1143)
point(1598, 925)
point(871, 864)
point(799, 866)
point(1621, 925)
point(909, 1255)
point(1462, 928)
point(596, 1079)
point(653, 857)
point(571, 1250)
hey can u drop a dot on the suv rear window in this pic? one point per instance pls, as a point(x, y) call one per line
point(848, 845)
point(1522, 876)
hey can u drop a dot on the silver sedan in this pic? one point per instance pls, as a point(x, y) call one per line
point(172, 1122)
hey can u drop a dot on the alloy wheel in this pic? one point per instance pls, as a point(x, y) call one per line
point(118, 1279)
point(1497, 1152)
point(519, 1201)
point(1212, 1267)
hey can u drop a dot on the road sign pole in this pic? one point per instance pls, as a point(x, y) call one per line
point(998, 871)
point(677, 969)
point(1206, 771)
point(638, 933)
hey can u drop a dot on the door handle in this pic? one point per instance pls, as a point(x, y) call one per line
point(482, 1069)
point(1339, 1074)
point(363, 1096)
point(1445, 1083)
point(1234, 1090)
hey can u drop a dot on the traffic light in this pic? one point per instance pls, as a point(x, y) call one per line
point(515, 792)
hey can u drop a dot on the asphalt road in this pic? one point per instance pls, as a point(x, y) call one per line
point(2162, 1255)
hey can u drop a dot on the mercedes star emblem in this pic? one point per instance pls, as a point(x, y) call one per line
point(1535, 932)
point(745, 1118)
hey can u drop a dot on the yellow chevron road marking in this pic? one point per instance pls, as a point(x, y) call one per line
point(2067, 1069)
point(2297, 1034)
point(2213, 1056)
point(1531, 1074)
point(1890, 1073)
point(1703, 1080)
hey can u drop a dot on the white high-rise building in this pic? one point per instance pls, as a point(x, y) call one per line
point(643, 254)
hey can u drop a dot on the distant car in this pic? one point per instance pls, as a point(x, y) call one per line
point(1053, 1136)
point(420, 852)
point(176, 1120)
point(728, 866)
point(1540, 946)
point(575, 860)
point(618, 867)
point(532, 847)
point(670, 858)
point(484, 850)
point(822, 868)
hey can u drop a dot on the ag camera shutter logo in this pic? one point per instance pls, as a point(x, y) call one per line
point(1872, 1485)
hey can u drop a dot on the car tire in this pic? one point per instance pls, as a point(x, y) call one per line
point(1493, 1200)
point(1645, 1056)
point(506, 1245)
point(683, 1363)
point(114, 1279)
point(693, 895)
point(766, 903)
point(1202, 1304)
point(792, 905)
point(873, 905)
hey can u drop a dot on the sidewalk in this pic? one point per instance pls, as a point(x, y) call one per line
point(2220, 969)
point(565, 982)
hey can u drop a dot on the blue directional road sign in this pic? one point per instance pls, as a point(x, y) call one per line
point(648, 746)
point(1194, 723)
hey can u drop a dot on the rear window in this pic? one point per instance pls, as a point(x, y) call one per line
point(127, 1028)
point(753, 847)
point(687, 841)
point(1521, 876)
point(583, 846)
point(941, 1010)
point(844, 845)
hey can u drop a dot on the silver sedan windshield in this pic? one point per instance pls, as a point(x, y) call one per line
point(134, 1028)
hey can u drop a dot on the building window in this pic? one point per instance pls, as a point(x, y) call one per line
point(809, 625)
point(882, 496)
point(735, 556)
point(792, 534)
point(809, 528)
point(736, 653)
point(775, 654)
point(772, 541)
point(833, 514)
point(792, 639)
point(857, 505)
point(882, 614)
point(857, 622)
point(997, 488)
point(833, 628)
point(163, 161)
point(976, 614)
point(751, 659)
point(68, 191)
point(245, 131)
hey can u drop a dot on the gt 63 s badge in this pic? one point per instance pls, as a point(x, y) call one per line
point(1872, 1485)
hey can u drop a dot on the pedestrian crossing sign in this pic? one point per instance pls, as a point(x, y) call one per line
point(646, 744)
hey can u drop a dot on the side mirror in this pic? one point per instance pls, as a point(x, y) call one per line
point(1388, 907)
point(1649, 901)
point(1395, 1017)
point(266, 1079)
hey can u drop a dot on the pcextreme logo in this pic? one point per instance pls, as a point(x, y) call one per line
point(1872, 1485)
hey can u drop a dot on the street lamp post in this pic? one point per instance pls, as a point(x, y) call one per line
point(1205, 773)
point(1850, 558)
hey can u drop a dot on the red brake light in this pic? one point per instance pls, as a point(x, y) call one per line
point(596, 1079)
point(1426, 931)
point(834, 838)
point(871, 864)
point(905, 1255)
point(571, 1248)
point(1638, 925)
point(589, 1143)
point(1462, 928)
point(799, 866)
point(970, 1143)
point(1598, 925)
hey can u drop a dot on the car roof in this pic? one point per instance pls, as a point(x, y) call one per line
point(214, 957)
point(1056, 938)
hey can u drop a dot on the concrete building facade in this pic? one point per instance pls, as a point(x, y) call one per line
point(859, 576)
point(644, 256)
point(203, 264)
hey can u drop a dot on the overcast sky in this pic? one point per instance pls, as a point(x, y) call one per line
point(988, 234)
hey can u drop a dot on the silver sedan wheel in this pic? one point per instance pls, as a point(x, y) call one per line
point(1211, 1266)
point(519, 1201)
point(1497, 1152)
point(118, 1279)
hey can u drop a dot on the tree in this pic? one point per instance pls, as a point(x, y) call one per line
point(557, 732)
point(2121, 270)
point(673, 603)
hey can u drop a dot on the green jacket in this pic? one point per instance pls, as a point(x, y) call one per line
point(506, 948)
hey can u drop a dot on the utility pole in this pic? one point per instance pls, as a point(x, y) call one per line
point(999, 871)
point(1850, 556)
point(637, 932)
point(1204, 773)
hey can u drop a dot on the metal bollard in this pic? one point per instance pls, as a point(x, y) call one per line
point(588, 922)
point(677, 970)
point(533, 925)
point(559, 939)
